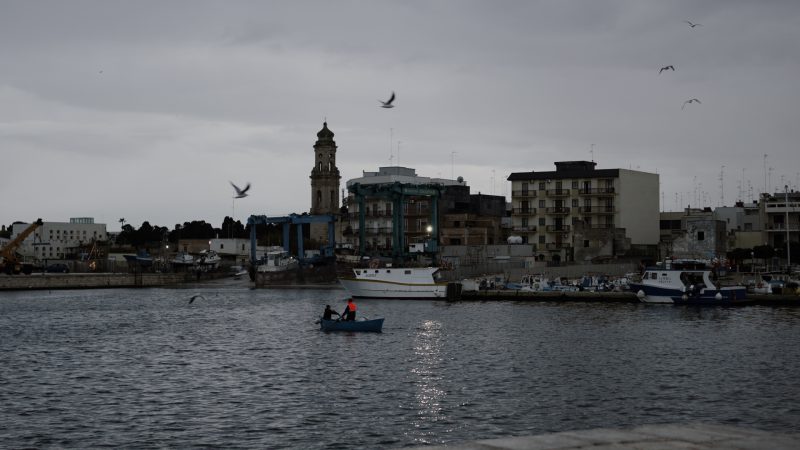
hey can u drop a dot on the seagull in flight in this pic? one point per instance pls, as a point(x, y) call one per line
point(388, 103)
point(240, 193)
point(194, 297)
point(693, 24)
point(690, 101)
point(670, 67)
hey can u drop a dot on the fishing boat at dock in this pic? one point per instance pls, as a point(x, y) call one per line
point(395, 282)
point(685, 282)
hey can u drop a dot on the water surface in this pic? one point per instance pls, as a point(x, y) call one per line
point(249, 368)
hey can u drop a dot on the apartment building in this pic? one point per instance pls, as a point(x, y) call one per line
point(578, 212)
point(780, 214)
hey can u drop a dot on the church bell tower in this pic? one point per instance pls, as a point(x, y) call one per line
point(324, 181)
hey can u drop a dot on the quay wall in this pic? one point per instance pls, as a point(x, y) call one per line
point(88, 281)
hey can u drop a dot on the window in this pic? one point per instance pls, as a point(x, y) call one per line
point(575, 202)
point(541, 221)
point(586, 243)
point(541, 203)
point(407, 272)
point(701, 235)
point(524, 222)
point(541, 186)
point(541, 239)
point(575, 184)
point(221, 246)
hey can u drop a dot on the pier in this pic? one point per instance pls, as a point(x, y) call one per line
point(588, 296)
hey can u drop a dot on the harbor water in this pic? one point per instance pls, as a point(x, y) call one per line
point(132, 368)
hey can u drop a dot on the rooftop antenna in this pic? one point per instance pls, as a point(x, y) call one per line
point(765, 172)
point(452, 164)
point(769, 178)
point(591, 151)
point(722, 186)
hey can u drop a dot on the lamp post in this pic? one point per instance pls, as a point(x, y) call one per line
point(788, 243)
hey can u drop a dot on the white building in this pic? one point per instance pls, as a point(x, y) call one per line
point(56, 240)
point(578, 212)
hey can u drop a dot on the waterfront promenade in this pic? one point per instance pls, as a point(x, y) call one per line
point(672, 436)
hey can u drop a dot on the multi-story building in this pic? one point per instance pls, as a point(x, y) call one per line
point(460, 214)
point(57, 240)
point(578, 212)
point(780, 214)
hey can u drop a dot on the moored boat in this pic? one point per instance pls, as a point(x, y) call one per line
point(395, 282)
point(373, 325)
point(685, 282)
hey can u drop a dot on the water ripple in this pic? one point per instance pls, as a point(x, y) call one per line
point(248, 368)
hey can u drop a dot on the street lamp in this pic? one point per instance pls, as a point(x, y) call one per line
point(788, 246)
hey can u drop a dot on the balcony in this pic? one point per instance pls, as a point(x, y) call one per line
point(600, 226)
point(557, 210)
point(558, 192)
point(557, 228)
point(556, 245)
point(603, 191)
point(524, 211)
point(597, 210)
point(526, 194)
point(782, 227)
point(526, 229)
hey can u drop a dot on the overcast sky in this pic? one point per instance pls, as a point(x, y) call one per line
point(145, 110)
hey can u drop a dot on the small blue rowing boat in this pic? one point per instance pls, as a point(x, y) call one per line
point(374, 325)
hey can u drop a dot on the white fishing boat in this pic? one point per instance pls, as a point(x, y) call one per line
point(277, 261)
point(183, 259)
point(395, 282)
point(685, 282)
point(209, 258)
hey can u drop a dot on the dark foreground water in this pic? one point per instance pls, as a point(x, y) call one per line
point(248, 368)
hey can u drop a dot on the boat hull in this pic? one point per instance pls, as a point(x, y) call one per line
point(359, 288)
point(654, 294)
point(374, 325)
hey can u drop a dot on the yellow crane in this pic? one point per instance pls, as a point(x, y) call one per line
point(9, 260)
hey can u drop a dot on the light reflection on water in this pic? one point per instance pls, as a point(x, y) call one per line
point(249, 368)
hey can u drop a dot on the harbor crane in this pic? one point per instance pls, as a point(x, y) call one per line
point(10, 262)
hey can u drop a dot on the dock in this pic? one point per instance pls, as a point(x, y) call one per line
point(595, 297)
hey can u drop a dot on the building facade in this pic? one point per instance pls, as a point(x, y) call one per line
point(462, 217)
point(60, 240)
point(325, 180)
point(780, 215)
point(578, 212)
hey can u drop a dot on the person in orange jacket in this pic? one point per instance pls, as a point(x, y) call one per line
point(349, 312)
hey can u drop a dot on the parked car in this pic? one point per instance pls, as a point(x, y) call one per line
point(58, 268)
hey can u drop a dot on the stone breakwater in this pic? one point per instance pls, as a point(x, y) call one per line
point(91, 280)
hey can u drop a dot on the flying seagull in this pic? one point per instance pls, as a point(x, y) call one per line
point(690, 101)
point(194, 297)
point(693, 24)
point(388, 103)
point(670, 67)
point(240, 193)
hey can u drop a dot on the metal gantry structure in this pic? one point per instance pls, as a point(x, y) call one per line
point(397, 193)
point(287, 222)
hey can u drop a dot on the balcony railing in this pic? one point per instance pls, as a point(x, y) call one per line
point(596, 191)
point(600, 226)
point(524, 211)
point(557, 210)
point(529, 228)
point(528, 193)
point(596, 210)
point(556, 245)
point(557, 228)
point(557, 192)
